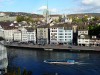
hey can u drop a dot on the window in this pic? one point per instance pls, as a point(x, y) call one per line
point(69, 36)
point(69, 33)
point(61, 37)
point(68, 30)
point(60, 33)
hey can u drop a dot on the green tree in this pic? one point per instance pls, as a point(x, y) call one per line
point(60, 18)
point(19, 71)
point(20, 18)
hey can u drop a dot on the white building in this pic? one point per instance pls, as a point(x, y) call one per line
point(83, 37)
point(17, 36)
point(25, 35)
point(32, 36)
point(61, 34)
point(8, 35)
point(83, 40)
point(7, 30)
point(12, 32)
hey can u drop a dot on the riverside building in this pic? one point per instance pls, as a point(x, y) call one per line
point(61, 34)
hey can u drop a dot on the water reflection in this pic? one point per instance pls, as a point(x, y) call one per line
point(3, 59)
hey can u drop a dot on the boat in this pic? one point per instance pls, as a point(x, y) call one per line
point(48, 49)
point(60, 62)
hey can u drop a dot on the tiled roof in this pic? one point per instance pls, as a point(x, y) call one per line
point(44, 26)
point(7, 25)
point(62, 25)
point(55, 15)
point(29, 29)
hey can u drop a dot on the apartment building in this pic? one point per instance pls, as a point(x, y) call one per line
point(61, 34)
point(43, 34)
point(25, 35)
point(8, 30)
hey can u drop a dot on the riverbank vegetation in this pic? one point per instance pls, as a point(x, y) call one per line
point(19, 72)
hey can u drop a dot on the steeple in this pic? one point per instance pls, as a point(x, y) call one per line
point(46, 12)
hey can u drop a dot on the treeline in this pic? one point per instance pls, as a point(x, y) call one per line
point(19, 72)
point(28, 19)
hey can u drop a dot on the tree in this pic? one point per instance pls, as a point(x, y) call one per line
point(24, 72)
point(60, 18)
point(19, 71)
point(20, 18)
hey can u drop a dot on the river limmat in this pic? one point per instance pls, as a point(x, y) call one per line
point(33, 61)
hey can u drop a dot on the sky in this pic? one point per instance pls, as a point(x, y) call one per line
point(54, 6)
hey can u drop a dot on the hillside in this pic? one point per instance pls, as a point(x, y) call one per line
point(21, 14)
point(81, 15)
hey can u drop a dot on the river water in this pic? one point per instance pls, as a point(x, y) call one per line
point(32, 60)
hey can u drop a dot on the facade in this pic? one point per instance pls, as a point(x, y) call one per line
point(43, 35)
point(8, 35)
point(83, 37)
point(83, 40)
point(94, 41)
point(82, 32)
point(8, 30)
point(25, 35)
point(61, 34)
point(17, 36)
point(31, 33)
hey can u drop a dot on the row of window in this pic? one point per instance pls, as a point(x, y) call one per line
point(61, 34)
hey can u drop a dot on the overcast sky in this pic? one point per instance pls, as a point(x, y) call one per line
point(55, 6)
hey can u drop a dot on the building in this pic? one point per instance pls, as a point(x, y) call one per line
point(25, 35)
point(13, 32)
point(8, 30)
point(43, 34)
point(55, 17)
point(94, 41)
point(83, 37)
point(17, 36)
point(82, 31)
point(61, 34)
point(83, 40)
point(31, 33)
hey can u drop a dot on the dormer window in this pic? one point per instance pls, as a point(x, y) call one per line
point(82, 36)
point(12, 24)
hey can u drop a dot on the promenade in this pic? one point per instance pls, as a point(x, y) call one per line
point(55, 47)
